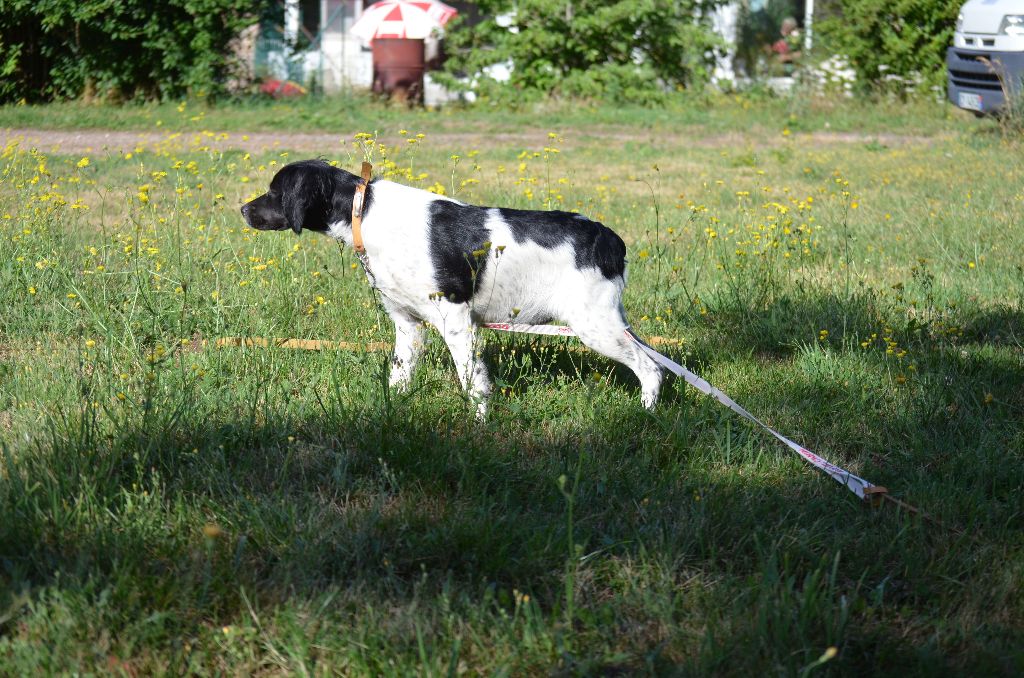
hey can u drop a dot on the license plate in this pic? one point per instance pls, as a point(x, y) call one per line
point(971, 102)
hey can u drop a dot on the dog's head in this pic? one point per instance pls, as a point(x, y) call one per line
point(309, 194)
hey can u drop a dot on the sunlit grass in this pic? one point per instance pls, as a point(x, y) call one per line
point(170, 506)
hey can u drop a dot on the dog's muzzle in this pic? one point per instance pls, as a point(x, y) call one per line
point(248, 214)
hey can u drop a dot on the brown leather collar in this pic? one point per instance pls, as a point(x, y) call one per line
point(357, 209)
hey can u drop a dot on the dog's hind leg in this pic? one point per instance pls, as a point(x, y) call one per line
point(408, 345)
point(456, 325)
point(604, 330)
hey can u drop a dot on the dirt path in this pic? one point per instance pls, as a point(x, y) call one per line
point(94, 141)
point(114, 142)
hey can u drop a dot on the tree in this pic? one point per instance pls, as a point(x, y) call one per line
point(882, 38)
point(122, 48)
point(612, 49)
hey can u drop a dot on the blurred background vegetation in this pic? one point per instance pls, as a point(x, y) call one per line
point(626, 50)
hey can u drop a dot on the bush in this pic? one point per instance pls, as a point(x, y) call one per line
point(64, 49)
point(625, 50)
point(892, 41)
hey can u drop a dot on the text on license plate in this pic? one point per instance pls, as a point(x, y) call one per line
point(970, 101)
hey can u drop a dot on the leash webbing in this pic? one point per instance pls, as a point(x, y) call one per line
point(875, 494)
point(862, 488)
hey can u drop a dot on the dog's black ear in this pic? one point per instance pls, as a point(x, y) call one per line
point(295, 205)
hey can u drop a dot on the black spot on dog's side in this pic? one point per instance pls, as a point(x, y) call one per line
point(595, 245)
point(457, 235)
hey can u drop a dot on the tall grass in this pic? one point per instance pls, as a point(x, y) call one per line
point(171, 506)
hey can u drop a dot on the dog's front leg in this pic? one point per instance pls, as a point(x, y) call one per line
point(408, 346)
point(459, 331)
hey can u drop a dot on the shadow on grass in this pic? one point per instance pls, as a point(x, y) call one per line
point(913, 392)
point(289, 494)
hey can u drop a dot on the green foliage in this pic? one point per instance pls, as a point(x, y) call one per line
point(885, 38)
point(8, 65)
point(61, 49)
point(630, 50)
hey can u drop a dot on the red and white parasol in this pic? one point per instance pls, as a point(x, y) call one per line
point(411, 19)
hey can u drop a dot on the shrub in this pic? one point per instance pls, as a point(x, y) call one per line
point(625, 50)
point(897, 41)
point(60, 49)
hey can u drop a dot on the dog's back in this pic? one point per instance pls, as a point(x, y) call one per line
point(523, 264)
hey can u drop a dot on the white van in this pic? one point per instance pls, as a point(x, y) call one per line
point(986, 61)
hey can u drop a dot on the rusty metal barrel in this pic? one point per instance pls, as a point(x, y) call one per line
point(398, 66)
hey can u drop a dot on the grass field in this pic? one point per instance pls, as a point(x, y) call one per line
point(854, 276)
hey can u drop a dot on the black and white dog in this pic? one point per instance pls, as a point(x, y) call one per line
point(455, 265)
